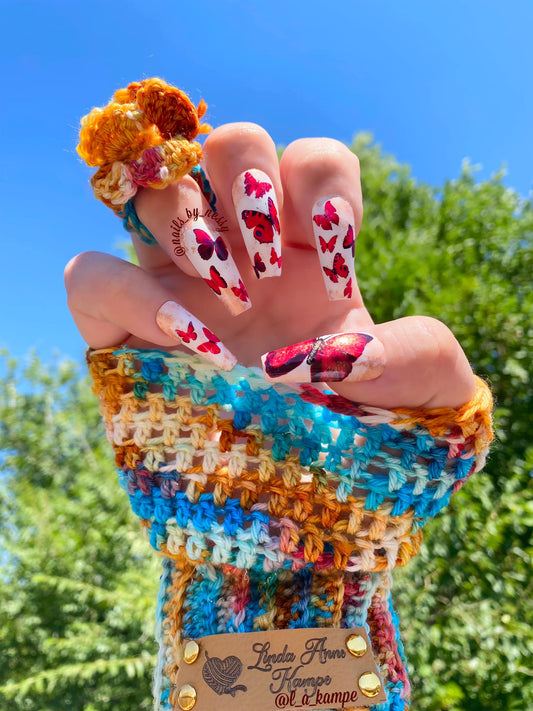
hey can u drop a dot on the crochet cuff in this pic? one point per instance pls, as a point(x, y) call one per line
point(277, 508)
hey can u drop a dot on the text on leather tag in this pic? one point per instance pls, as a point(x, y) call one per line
point(296, 669)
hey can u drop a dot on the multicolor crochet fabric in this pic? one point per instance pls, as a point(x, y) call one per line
point(277, 508)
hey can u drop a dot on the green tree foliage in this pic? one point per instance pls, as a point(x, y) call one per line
point(78, 586)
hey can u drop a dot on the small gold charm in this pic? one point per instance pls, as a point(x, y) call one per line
point(356, 645)
point(187, 697)
point(191, 652)
point(369, 684)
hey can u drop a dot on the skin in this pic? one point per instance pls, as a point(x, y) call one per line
point(114, 302)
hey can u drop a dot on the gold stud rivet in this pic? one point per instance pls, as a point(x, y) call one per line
point(187, 697)
point(191, 652)
point(356, 645)
point(369, 684)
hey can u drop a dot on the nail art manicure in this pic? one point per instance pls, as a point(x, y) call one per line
point(209, 254)
point(333, 226)
point(257, 213)
point(352, 357)
point(178, 323)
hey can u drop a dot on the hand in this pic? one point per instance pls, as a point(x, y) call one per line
point(114, 302)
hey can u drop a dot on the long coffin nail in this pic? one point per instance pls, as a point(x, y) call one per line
point(209, 254)
point(178, 323)
point(333, 226)
point(352, 357)
point(257, 213)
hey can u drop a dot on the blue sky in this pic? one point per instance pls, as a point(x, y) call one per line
point(435, 82)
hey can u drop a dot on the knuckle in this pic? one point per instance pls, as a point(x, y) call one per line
point(240, 133)
point(320, 156)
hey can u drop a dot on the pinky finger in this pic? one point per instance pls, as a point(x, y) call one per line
point(113, 302)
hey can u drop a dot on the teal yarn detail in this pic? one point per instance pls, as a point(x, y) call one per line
point(198, 174)
point(131, 223)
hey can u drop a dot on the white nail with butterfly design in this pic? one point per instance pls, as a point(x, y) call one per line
point(187, 330)
point(333, 227)
point(257, 213)
point(209, 255)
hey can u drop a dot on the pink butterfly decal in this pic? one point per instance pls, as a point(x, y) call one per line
point(339, 268)
point(216, 282)
point(240, 291)
point(251, 185)
point(273, 214)
point(259, 265)
point(327, 246)
point(274, 257)
point(329, 218)
point(349, 240)
point(210, 346)
point(207, 245)
point(188, 335)
point(348, 289)
point(330, 358)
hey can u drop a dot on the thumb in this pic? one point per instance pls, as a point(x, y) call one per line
point(411, 362)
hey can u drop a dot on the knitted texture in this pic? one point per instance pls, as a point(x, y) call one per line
point(274, 507)
point(142, 138)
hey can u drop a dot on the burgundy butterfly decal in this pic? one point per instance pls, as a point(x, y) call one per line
point(274, 257)
point(329, 218)
point(339, 269)
point(327, 246)
point(207, 245)
point(262, 225)
point(259, 265)
point(330, 357)
point(188, 335)
point(348, 289)
point(251, 186)
point(216, 282)
point(210, 346)
point(349, 240)
point(240, 291)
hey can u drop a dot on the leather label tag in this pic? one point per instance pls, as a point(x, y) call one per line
point(294, 670)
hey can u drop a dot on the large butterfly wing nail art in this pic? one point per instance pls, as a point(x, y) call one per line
point(327, 359)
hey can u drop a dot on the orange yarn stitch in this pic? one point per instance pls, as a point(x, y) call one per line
point(142, 138)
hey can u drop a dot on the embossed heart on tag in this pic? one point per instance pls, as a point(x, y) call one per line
point(221, 674)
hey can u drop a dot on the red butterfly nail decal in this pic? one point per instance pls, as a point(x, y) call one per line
point(240, 291)
point(188, 335)
point(339, 268)
point(327, 246)
point(348, 289)
point(329, 218)
point(206, 246)
point(349, 240)
point(259, 265)
point(216, 282)
point(252, 185)
point(274, 257)
point(273, 214)
point(262, 225)
point(211, 344)
point(330, 357)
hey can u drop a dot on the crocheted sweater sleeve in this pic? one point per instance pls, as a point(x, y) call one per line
point(275, 507)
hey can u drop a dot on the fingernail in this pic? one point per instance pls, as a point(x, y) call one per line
point(257, 213)
point(351, 357)
point(178, 323)
point(210, 256)
point(333, 226)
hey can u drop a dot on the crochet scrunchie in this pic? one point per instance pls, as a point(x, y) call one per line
point(142, 138)
point(277, 508)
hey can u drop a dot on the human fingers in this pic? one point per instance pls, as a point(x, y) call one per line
point(323, 204)
point(191, 234)
point(243, 168)
point(415, 361)
point(112, 301)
